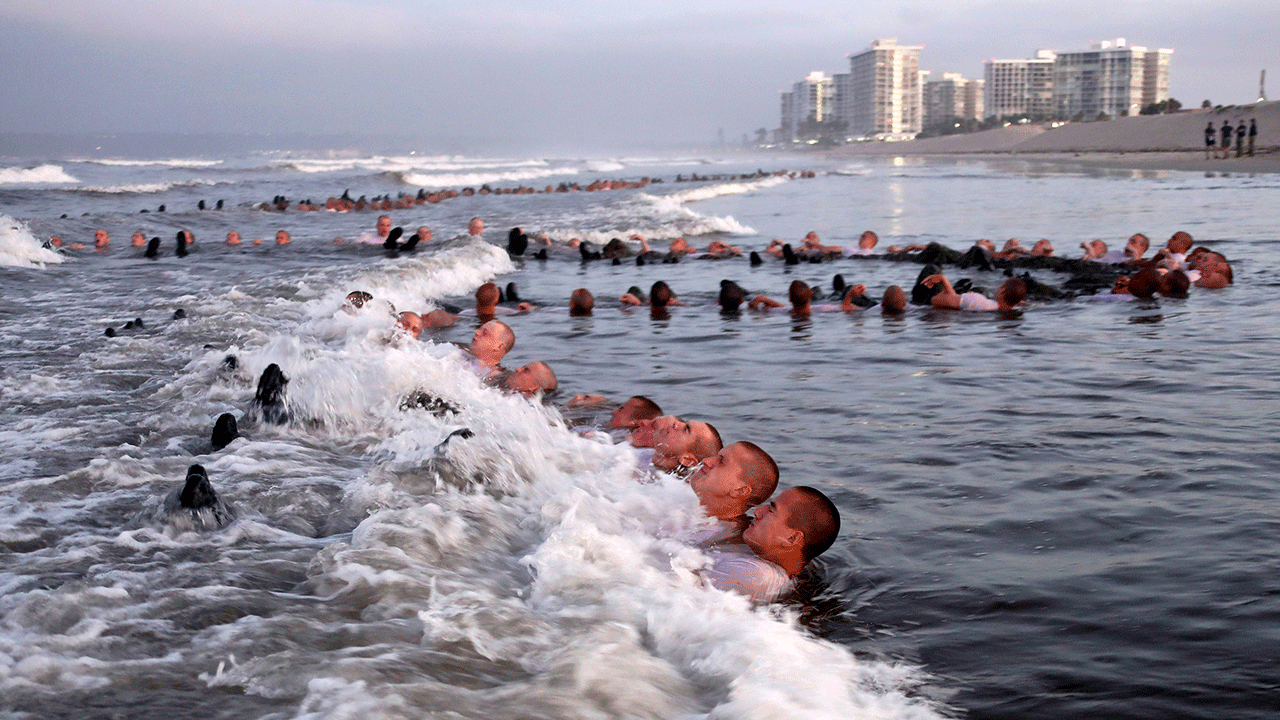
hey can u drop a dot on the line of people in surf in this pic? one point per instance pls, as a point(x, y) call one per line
point(757, 543)
point(403, 201)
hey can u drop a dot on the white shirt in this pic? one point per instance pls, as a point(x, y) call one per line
point(977, 302)
point(736, 568)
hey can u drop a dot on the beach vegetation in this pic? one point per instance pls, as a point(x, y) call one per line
point(1163, 107)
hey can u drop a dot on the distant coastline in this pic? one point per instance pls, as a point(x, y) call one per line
point(1155, 142)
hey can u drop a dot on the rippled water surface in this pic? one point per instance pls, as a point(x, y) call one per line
point(1067, 513)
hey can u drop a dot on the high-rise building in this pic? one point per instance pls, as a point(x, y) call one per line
point(810, 100)
point(1020, 87)
point(1155, 76)
point(1110, 77)
point(786, 131)
point(952, 98)
point(885, 99)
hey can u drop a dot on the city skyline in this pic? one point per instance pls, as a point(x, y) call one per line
point(495, 73)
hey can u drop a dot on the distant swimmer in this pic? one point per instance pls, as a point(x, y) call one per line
point(224, 431)
point(153, 248)
point(894, 301)
point(101, 240)
point(800, 294)
point(475, 228)
point(421, 237)
point(269, 400)
point(866, 243)
point(731, 297)
point(233, 238)
point(1010, 293)
point(195, 506)
point(379, 235)
point(181, 244)
point(283, 237)
point(721, 249)
point(581, 303)
point(138, 239)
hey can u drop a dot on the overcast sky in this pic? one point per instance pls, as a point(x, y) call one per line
point(548, 76)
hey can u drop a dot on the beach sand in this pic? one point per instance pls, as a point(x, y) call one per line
point(1144, 142)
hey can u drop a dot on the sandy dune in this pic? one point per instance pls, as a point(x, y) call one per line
point(1174, 142)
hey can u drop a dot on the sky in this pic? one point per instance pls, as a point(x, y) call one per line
point(552, 76)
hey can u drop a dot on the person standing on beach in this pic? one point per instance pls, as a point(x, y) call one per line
point(1241, 131)
point(1210, 140)
point(1253, 133)
point(1226, 139)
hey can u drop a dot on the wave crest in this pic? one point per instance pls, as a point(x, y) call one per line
point(40, 174)
point(20, 248)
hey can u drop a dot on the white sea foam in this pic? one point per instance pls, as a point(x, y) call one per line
point(405, 163)
point(603, 166)
point(173, 162)
point(38, 175)
point(475, 179)
point(19, 248)
point(706, 192)
point(143, 188)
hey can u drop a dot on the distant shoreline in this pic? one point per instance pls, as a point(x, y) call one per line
point(1143, 142)
point(1267, 161)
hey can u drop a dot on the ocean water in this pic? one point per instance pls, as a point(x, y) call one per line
point(1067, 513)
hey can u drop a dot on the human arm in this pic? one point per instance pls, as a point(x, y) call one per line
point(760, 301)
point(947, 298)
point(848, 304)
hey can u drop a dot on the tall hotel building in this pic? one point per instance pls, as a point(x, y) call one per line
point(884, 98)
point(1110, 77)
point(952, 98)
point(813, 98)
point(1020, 87)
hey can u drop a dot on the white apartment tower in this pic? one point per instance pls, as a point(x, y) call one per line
point(1020, 87)
point(885, 99)
point(812, 98)
point(1110, 77)
point(952, 97)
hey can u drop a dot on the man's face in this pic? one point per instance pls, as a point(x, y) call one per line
point(411, 323)
point(624, 416)
point(100, 239)
point(675, 437)
point(769, 527)
point(524, 379)
point(139, 239)
point(721, 473)
point(282, 238)
point(487, 337)
point(384, 226)
point(424, 233)
point(476, 226)
point(1135, 247)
